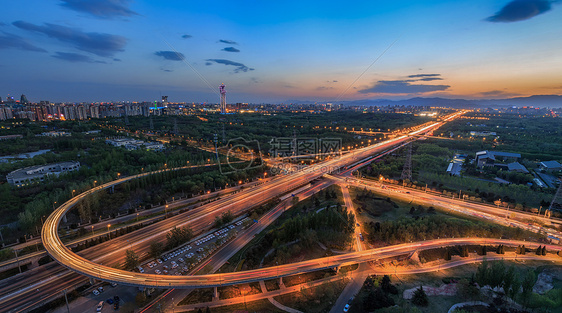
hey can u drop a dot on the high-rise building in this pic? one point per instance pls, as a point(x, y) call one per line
point(223, 98)
point(23, 99)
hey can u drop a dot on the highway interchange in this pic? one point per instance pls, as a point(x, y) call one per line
point(199, 219)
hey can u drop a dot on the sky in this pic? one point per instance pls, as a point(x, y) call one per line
point(279, 51)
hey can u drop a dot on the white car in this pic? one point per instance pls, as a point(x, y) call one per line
point(157, 272)
point(99, 307)
point(95, 292)
point(159, 261)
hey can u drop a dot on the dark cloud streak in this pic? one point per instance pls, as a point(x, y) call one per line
point(100, 44)
point(239, 66)
point(8, 40)
point(520, 10)
point(402, 87)
point(186, 36)
point(230, 49)
point(100, 8)
point(228, 42)
point(170, 55)
point(74, 57)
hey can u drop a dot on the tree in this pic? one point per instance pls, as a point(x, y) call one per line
point(177, 236)
point(508, 279)
point(496, 274)
point(539, 251)
point(140, 298)
point(131, 260)
point(482, 273)
point(468, 289)
point(515, 286)
point(420, 297)
point(527, 286)
point(155, 250)
point(207, 310)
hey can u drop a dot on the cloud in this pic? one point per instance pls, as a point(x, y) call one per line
point(116, 60)
point(101, 44)
point(324, 88)
point(74, 57)
point(170, 55)
point(228, 42)
point(401, 87)
point(255, 80)
point(8, 40)
point(239, 66)
point(289, 86)
point(208, 63)
point(100, 8)
point(423, 75)
point(186, 36)
point(230, 49)
point(498, 93)
point(166, 70)
point(520, 10)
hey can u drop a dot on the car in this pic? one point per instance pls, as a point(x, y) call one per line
point(141, 270)
point(165, 267)
point(116, 306)
point(157, 272)
point(116, 298)
point(95, 292)
point(174, 265)
point(99, 307)
point(346, 307)
point(159, 261)
point(115, 285)
point(100, 289)
point(110, 301)
point(165, 272)
point(181, 260)
point(150, 265)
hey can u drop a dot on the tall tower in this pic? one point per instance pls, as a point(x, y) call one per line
point(223, 98)
point(165, 101)
point(407, 170)
point(23, 99)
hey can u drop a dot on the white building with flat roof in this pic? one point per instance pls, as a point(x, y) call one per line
point(37, 173)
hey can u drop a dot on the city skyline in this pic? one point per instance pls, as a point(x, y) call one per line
point(118, 50)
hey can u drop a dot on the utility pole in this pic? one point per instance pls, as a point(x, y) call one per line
point(407, 170)
point(66, 299)
point(17, 259)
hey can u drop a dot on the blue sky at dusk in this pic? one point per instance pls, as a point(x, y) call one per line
point(116, 50)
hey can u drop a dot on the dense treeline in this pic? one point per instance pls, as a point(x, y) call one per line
point(433, 227)
point(534, 137)
point(264, 128)
point(429, 162)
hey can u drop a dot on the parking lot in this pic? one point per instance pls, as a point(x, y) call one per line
point(182, 259)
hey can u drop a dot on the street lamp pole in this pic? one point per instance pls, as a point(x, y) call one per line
point(66, 299)
point(108, 233)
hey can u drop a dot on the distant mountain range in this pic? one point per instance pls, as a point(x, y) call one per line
point(552, 101)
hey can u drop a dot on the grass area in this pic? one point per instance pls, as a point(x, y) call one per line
point(272, 284)
point(258, 306)
point(307, 277)
point(398, 221)
point(258, 248)
point(314, 300)
point(228, 292)
point(198, 296)
point(378, 207)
